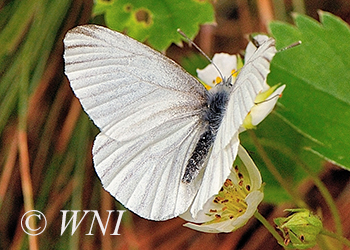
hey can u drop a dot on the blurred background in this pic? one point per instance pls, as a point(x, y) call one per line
point(46, 139)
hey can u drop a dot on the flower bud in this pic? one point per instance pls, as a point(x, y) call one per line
point(300, 229)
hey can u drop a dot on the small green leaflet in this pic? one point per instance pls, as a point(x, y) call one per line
point(156, 21)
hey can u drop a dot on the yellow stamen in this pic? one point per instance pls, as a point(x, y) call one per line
point(230, 201)
point(234, 73)
point(218, 80)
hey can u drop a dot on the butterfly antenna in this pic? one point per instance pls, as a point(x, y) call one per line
point(201, 51)
point(290, 46)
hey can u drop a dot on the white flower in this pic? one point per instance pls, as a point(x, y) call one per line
point(235, 203)
point(227, 64)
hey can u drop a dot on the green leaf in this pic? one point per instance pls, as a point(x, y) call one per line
point(193, 62)
point(156, 21)
point(316, 101)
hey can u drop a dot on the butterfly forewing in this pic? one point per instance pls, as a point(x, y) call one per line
point(149, 111)
point(247, 86)
point(122, 83)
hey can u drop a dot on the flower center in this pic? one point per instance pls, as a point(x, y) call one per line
point(230, 201)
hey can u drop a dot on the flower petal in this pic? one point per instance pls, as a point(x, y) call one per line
point(253, 199)
point(253, 171)
point(226, 64)
point(261, 110)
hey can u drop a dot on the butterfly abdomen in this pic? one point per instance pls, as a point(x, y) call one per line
point(217, 101)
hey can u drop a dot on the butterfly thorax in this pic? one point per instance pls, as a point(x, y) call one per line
point(216, 106)
point(217, 101)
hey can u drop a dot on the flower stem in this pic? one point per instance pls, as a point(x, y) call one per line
point(299, 202)
point(338, 237)
point(318, 183)
point(268, 226)
point(326, 195)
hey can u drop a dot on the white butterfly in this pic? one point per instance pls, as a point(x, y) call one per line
point(166, 143)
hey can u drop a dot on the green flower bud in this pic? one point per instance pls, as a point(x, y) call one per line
point(300, 229)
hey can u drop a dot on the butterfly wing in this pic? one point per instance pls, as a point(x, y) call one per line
point(247, 86)
point(149, 111)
